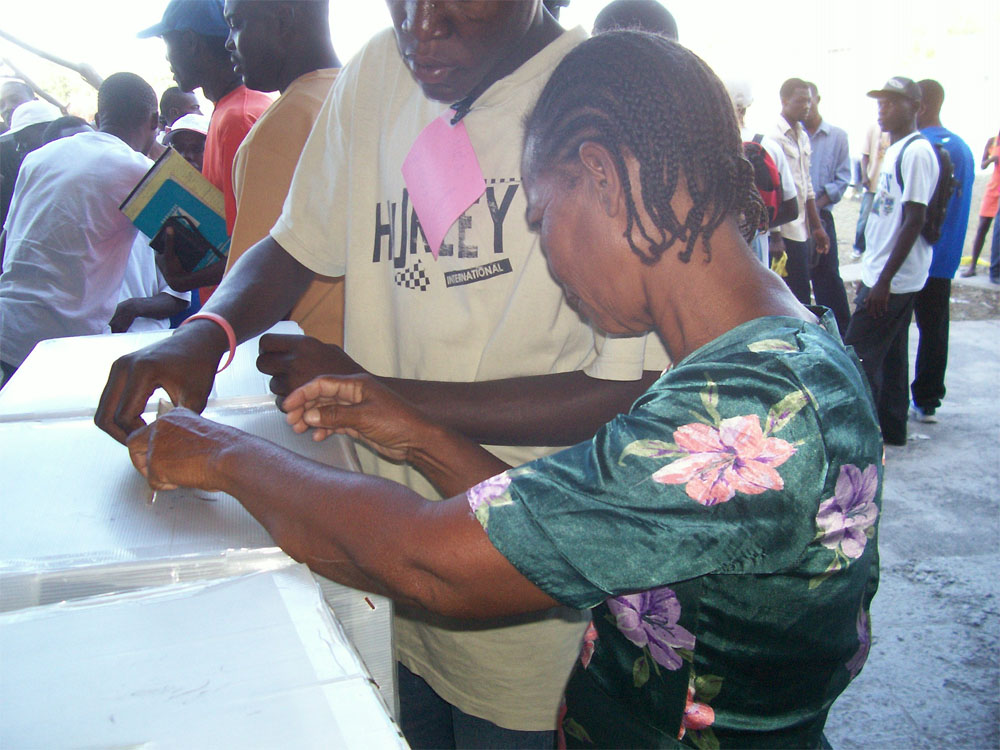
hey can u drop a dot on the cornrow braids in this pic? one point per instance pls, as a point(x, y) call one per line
point(642, 95)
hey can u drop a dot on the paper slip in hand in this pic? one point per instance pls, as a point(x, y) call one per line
point(443, 177)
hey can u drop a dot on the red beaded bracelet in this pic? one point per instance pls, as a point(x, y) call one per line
point(230, 333)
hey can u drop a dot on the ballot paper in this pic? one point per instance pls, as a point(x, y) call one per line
point(253, 661)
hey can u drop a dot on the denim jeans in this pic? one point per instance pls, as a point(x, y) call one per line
point(827, 286)
point(428, 721)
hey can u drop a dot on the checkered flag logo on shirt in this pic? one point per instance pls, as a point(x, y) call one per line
point(413, 278)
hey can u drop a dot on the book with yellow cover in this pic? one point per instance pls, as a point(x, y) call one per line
point(173, 193)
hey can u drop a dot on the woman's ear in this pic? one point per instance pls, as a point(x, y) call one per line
point(600, 170)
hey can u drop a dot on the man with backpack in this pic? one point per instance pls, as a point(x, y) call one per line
point(897, 257)
point(931, 306)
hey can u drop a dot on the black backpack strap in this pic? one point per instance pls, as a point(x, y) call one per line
point(758, 138)
point(899, 159)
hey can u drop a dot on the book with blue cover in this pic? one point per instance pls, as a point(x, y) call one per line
point(173, 194)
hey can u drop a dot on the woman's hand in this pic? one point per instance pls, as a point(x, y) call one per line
point(358, 406)
point(182, 449)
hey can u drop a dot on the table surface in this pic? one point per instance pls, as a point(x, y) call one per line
point(188, 665)
point(77, 516)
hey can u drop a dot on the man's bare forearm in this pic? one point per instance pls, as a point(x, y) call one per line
point(264, 284)
point(557, 409)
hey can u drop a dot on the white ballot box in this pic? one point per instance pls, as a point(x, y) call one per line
point(78, 518)
point(253, 661)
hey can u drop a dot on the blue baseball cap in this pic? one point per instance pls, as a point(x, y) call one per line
point(203, 17)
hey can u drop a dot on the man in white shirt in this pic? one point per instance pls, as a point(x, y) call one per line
point(897, 258)
point(795, 235)
point(742, 96)
point(67, 243)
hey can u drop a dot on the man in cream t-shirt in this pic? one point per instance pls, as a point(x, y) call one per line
point(486, 309)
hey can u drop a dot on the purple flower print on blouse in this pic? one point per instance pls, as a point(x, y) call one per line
point(487, 490)
point(846, 520)
point(864, 644)
point(650, 619)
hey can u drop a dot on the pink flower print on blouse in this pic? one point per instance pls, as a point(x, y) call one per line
point(864, 644)
point(846, 520)
point(589, 644)
point(735, 457)
point(697, 716)
point(650, 619)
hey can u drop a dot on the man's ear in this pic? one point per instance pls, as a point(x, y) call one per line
point(154, 120)
point(600, 169)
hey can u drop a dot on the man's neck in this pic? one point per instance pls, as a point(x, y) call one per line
point(544, 31)
point(792, 122)
point(316, 58)
point(812, 125)
point(130, 139)
point(214, 91)
point(897, 135)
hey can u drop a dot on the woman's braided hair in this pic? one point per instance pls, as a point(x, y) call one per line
point(646, 96)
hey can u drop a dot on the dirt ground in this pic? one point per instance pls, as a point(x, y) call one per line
point(969, 301)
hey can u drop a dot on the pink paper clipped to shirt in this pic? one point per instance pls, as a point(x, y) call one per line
point(443, 177)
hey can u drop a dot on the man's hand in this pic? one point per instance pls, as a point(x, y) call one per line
point(821, 240)
point(182, 449)
point(174, 273)
point(184, 365)
point(877, 301)
point(359, 406)
point(125, 315)
point(292, 361)
point(775, 246)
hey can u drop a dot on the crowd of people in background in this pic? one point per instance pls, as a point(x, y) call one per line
point(310, 159)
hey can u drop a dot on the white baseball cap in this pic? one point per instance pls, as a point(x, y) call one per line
point(35, 112)
point(193, 122)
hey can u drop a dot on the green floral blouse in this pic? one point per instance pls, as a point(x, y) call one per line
point(724, 531)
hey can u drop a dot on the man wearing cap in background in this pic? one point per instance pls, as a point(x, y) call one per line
point(194, 32)
point(27, 121)
point(897, 258)
point(286, 47)
point(187, 137)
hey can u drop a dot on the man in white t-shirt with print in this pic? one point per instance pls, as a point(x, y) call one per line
point(480, 337)
point(897, 258)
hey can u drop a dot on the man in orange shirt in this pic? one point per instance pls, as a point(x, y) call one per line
point(195, 33)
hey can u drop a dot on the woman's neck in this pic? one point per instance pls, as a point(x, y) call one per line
point(696, 302)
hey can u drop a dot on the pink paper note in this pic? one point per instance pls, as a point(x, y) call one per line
point(443, 177)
